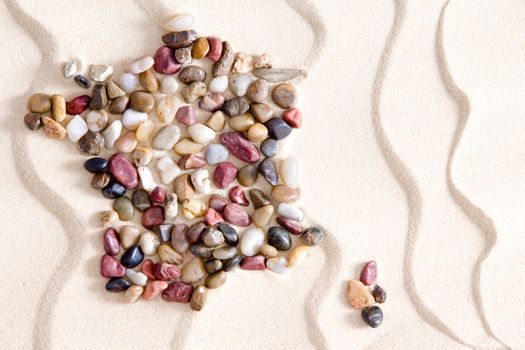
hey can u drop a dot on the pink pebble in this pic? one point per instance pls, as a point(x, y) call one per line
point(224, 174)
point(236, 215)
point(165, 62)
point(293, 117)
point(369, 273)
point(123, 171)
point(186, 115)
point(217, 202)
point(158, 195)
point(192, 161)
point(110, 267)
point(240, 147)
point(165, 272)
point(111, 241)
point(215, 48)
point(152, 216)
point(153, 289)
point(237, 195)
point(291, 226)
point(147, 269)
point(212, 217)
point(257, 262)
point(178, 291)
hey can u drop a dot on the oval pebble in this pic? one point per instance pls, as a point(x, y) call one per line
point(193, 271)
point(289, 171)
point(312, 236)
point(269, 147)
point(268, 170)
point(166, 137)
point(284, 95)
point(33, 121)
point(290, 212)
point(140, 199)
point(251, 240)
point(247, 175)
point(212, 237)
point(257, 262)
point(138, 278)
point(132, 257)
point(123, 171)
point(218, 84)
point(224, 253)
point(279, 238)
point(198, 298)
point(181, 21)
point(224, 174)
point(216, 153)
point(111, 242)
point(239, 83)
point(128, 82)
point(140, 65)
point(149, 242)
point(230, 234)
point(133, 294)
point(373, 316)
point(169, 85)
point(116, 285)
point(278, 129)
point(298, 255)
point(200, 133)
point(216, 280)
point(124, 208)
point(369, 272)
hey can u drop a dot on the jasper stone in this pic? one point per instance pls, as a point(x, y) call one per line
point(231, 236)
point(237, 195)
point(119, 105)
point(258, 91)
point(77, 105)
point(293, 117)
point(141, 200)
point(110, 267)
point(200, 48)
point(153, 289)
point(230, 264)
point(95, 165)
point(147, 269)
point(113, 190)
point(213, 265)
point(224, 65)
point(369, 272)
point(215, 48)
point(124, 208)
point(212, 217)
point(176, 40)
point(269, 147)
point(179, 292)
point(183, 55)
point(235, 106)
point(132, 257)
point(268, 170)
point(195, 231)
point(111, 242)
point(279, 238)
point(179, 238)
point(201, 251)
point(92, 143)
point(277, 75)
point(278, 129)
point(358, 295)
point(142, 101)
point(212, 102)
point(236, 215)
point(190, 74)
point(293, 227)
point(39, 103)
point(100, 181)
point(224, 174)
point(257, 262)
point(284, 95)
point(379, 294)
point(240, 147)
point(261, 111)
point(123, 171)
point(165, 62)
point(373, 316)
point(99, 98)
point(116, 285)
point(312, 236)
point(165, 272)
point(216, 280)
point(198, 298)
point(152, 216)
point(283, 193)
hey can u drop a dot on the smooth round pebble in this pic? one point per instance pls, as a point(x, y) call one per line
point(239, 83)
point(138, 278)
point(216, 153)
point(373, 316)
point(224, 253)
point(230, 264)
point(200, 133)
point(141, 200)
point(218, 84)
point(216, 280)
point(313, 236)
point(181, 21)
point(198, 298)
point(289, 171)
point(116, 285)
point(230, 234)
point(193, 271)
point(251, 241)
point(140, 65)
point(149, 242)
point(128, 82)
point(269, 147)
point(169, 85)
point(290, 212)
point(284, 95)
point(298, 255)
point(132, 257)
point(279, 238)
point(131, 118)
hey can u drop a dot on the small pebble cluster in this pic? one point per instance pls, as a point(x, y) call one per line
point(362, 295)
point(210, 121)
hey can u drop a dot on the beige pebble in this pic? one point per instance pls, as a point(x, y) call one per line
point(262, 112)
point(216, 280)
point(262, 215)
point(126, 143)
point(114, 90)
point(183, 187)
point(53, 129)
point(132, 294)
point(145, 130)
point(262, 61)
point(358, 295)
point(58, 109)
point(187, 146)
point(285, 194)
point(168, 255)
point(142, 156)
point(149, 81)
point(217, 121)
point(242, 122)
point(193, 271)
point(198, 298)
point(167, 107)
point(192, 208)
point(268, 251)
point(243, 63)
point(108, 218)
point(257, 132)
point(39, 103)
point(298, 255)
point(129, 235)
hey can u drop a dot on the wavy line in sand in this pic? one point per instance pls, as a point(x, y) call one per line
point(482, 221)
point(72, 225)
point(404, 177)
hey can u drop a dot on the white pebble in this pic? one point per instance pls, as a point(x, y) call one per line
point(128, 82)
point(76, 128)
point(146, 178)
point(138, 278)
point(201, 181)
point(149, 242)
point(218, 84)
point(70, 69)
point(131, 118)
point(216, 153)
point(112, 133)
point(290, 212)
point(171, 208)
point(129, 235)
point(141, 65)
point(251, 240)
point(168, 169)
point(290, 171)
point(100, 72)
point(97, 120)
point(239, 83)
point(200, 133)
point(182, 21)
point(278, 264)
point(169, 85)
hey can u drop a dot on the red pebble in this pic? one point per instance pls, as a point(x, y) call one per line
point(77, 105)
point(186, 115)
point(236, 215)
point(158, 195)
point(192, 161)
point(212, 217)
point(178, 291)
point(111, 241)
point(147, 269)
point(153, 289)
point(165, 272)
point(224, 174)
point(152, 216)
point(195, 231)
point(369, 273)
point(240, 147)
point(257, 262)
point(237, 195)
point(215, 48)
point(217, 202)
point(293, 117)
point(165, 62)
point(110, 267)
point(122, 169)
point(291, 226)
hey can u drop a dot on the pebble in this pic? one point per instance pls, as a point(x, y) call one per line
point(100, 72)
point(213, 265)
point(379, 294)
point(140, 65)
point(277, 75)
point(110, 267)
point(141, 101)
point(258, 91)
point(95, 165)
point(278, 264)
point(298, 255)
point(236, 215)
point(149, 81)
point(179, 238)
point(147, 269)
point(284, 95)
point(198, 298)
point(192, 161)
point(212, 217)
point(166, 137)
point(200, 48)
point(183, 55)
point(262, 112)
point(186, 115)
point(225, 63)
point(168, 169)
point(231, 236)
point(193, 92)
point(240, 147)
point(216, 153)
point(279, 238)
point(100, 181)
point(179, 292)
point(154, 289)
point(137, 278)
point(187, 146)
point(123, 171)
point(181, 21)
point(77, 105)
point(369, 272)
point(191, 74)
point(124, 208)
point(211, 102)
point(178, 39)
point(257, 262)
point(145, 130)
point(116, 285)
point(268, 170)
point(152, 216)
point(92, 143)
point(237, 195)
point(290, 212)
point(212, 237)
point(239, 83)
point(247, 175)
point(258, 198)
point(167, 107)
point(289, 171)
point(119, 105)
point(358, 295)
point(216, 121)
point(216, 280)
point(193, 271)
point(111, 241)
point(230, 264)
point(278, 129)
point(165, 62)
point(235, 106)
point(224, 253)
point(215, 52)
point(168, 255)
point(140, 199)
point(269, 147)
point(283, 193)
point(201, 251)
point(58, 107)
point(224, 174)
point(129, 236)
point(128, 82)
point(163, 231)
point(113, 190)
point(76, 128)
point(149, 242)
point(293, 117)
point(261, 216)
point(200, 133)
point(133, 294)
point(192, 208)
point(201, 181)
point(171, 208)
point(165, 272)
point(183, 187)
point(132, 257)
point(82, 81)
point(158, 195)
point(53, 129)
point(268, 251)
point(373, 316)
point(242, 122)
point(97, 120)
point(293, 227)
point(217, 202)
point(218, 84)
point(112, 133)
point(113, 90)
point(132, 118)
point(312, 236)
point(251, 241)
point(146, 178)
point(243, 63)
point(169, 85)
point(262, 61)
point(70, 69)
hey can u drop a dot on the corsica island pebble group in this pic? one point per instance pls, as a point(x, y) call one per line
point(185, 144)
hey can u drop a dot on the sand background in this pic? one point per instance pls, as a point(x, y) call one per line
point(413, 108)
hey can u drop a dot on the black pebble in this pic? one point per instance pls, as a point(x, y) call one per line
point(82, 81)
point(279, 238)
point(201, 251)
point(113, 190)
point(277, 128)
point(116, 285)
point(231, 263)
point(230, 234)
point(132, 257)
point(373, 316)
point(96, 165)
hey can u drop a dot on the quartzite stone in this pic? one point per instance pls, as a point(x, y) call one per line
point(92, 143)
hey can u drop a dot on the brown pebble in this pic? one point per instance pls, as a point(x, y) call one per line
point(358, 295)
point(100, 180)
point(247, 175)
point(58, 108)
point(119, 105)
point(216, 280)
point(284, 95)
point(261, 111)
point(268, 251)
point(142, 101)
point(217, 121)
point(39, 103)
point(379, 294)
point(183, 187)
point(53, 129)
point(198, 298)
point(258, 91)
point(92, 143)
point(258, 198)
point(149, 81)
point(200, 48)
point(285, 194)
point(33, 121)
